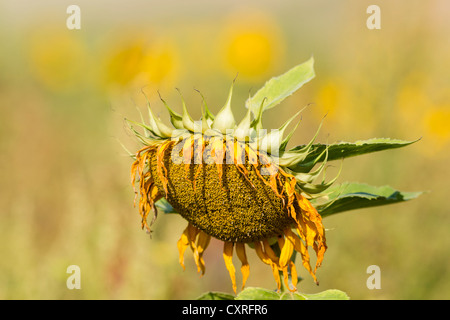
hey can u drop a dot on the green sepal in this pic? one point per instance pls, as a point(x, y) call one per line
point(151, 137)
point(311, 176)
point(208, 114)
point(164, 206)
point(175, 118)
point(257, 121)
point(224, 119)
point(298, 154)
point(275, 138)
point(242, 131)
point(286, 140)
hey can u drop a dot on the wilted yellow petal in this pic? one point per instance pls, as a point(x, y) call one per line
point(294, 276)
point(245, 267)
point(287, 249)
point(160, 167)
point(267, 260)
point(202, 243)
point(192, 236)
point(182, 244)
point(269, 251)
point(227, 257)
point(300, 248)
point(261, 254)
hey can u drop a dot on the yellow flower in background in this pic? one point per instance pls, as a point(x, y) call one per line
point(250, 51)
point(329, 99)
point(437, 125)
point(422, 113)
point(124, 64)
point(142, 61)
point(58, 58)
point(252, 44)
point(410, 99)
point(344, 108)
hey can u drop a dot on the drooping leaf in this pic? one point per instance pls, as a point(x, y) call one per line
point(291, 296)
point(278, 88)
point(331, 294)
point(345, 150)
point(350, 196)
point(214, 295)
point(253, 293)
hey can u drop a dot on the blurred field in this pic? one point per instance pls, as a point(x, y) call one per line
point(65, 195)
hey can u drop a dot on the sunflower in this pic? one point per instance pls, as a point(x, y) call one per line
point(252, 43)
point(235, 182)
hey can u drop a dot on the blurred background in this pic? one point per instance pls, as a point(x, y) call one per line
point(65, 193)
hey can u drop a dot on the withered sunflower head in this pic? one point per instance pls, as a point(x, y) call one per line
point(235, 182)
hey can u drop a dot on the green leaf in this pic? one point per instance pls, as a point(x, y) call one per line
point(292, 296)
point(345, 150)
point(350, 196)
point(257, 294)
point(254, 293)
point(212, 295)
point(331, 294)
point(278, 88)
point(264, 294)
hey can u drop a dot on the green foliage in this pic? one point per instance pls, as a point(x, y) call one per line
point(350, 196)
point(278, 88)
point(164, 206)
point(254, 293)
point(213, 295)
point(331, 294)
point(343, 150)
